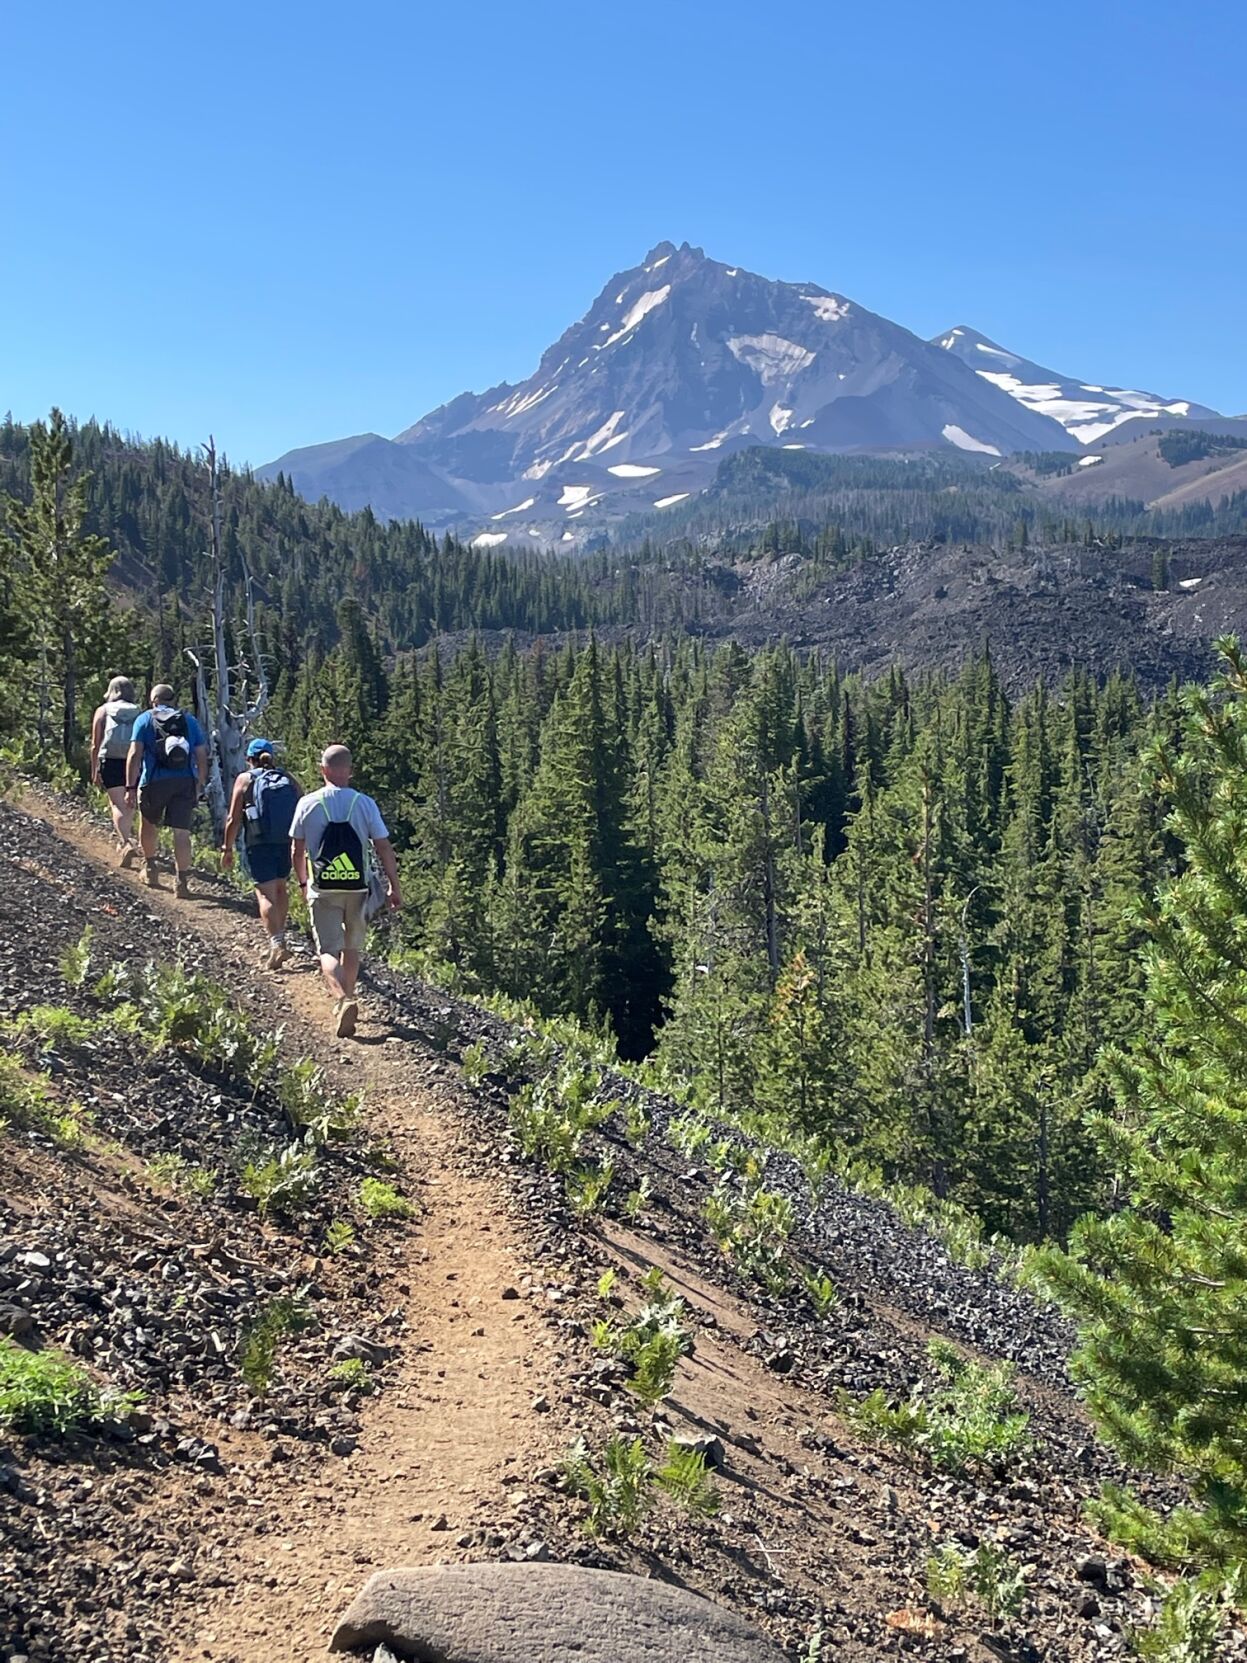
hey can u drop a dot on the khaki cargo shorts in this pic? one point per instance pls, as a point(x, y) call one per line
point(338, 922)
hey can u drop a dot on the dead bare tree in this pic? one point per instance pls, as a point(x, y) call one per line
point(240, 691)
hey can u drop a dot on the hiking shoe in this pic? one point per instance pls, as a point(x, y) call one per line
point(183, 886)
point(126, 858)
point(348, 1014)
point(278, 953)
point(149, 874)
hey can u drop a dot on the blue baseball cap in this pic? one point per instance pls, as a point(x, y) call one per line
point(260, 747)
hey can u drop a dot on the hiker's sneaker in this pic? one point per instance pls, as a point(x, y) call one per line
point(183, 886)
point(278, 953)
point(149, 874)
point(348, 1015)
point(126, 858)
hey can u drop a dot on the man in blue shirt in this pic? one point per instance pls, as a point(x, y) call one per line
point(166, 770)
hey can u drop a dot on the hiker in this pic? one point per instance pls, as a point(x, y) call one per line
point(334, 829)
point(263, 802)
point(111, 728)
point(166, 770)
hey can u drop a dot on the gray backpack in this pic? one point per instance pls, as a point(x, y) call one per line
point(119, 720)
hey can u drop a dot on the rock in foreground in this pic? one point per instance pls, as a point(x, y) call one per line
point(542, 1614)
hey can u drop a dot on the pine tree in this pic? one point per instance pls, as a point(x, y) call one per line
point(60, 568)
point(1160, 1287)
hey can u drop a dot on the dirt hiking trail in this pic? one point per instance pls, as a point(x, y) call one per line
point(452, 1432)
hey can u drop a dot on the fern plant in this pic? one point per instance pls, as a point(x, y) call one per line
point(684, 1477)
point(615, 1482)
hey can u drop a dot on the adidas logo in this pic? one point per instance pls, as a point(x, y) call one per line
point(341, 869)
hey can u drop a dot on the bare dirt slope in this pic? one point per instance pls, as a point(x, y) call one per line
point(225, 1525)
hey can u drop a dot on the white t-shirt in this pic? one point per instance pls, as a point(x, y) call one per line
point(340, 802)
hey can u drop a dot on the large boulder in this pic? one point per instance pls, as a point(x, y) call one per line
point(542, 1614)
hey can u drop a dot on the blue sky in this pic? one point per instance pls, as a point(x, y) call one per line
point(284, 224)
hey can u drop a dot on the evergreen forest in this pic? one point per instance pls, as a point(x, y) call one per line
point(984, 941)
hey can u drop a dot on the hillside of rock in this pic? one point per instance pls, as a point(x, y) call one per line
point(434, 1364)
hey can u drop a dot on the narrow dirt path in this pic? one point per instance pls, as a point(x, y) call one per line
point(445, 1442)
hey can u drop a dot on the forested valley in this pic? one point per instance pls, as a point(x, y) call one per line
point(900, 916)
point(975, 947)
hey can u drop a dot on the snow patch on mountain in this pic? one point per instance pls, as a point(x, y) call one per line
point(603, 439)
point(965, 441)
point(829, 308)
point(712, 444)
point(632, 470)
point(1059, 397)
point(575, 496)
point(770, 356)
point(489, 539)
point(519, 508)
point(637, 314)
point(780, 418)
point(666, 502)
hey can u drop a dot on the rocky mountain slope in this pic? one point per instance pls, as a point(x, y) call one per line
point(680, 361)
point(1085, 410)
point(677, 361)
point(430, 1370)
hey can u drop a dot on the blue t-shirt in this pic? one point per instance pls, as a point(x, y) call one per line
point(144, 734)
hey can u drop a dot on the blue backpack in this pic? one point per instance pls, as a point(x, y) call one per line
point(273, 799)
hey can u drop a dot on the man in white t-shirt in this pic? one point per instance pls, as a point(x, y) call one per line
point(335, 834)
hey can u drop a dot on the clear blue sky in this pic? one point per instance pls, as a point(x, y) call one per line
point(286, 223)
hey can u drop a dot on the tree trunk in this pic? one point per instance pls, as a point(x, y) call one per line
point(70, 713)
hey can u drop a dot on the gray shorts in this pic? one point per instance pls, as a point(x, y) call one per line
point(170, 801)
point(338, 922)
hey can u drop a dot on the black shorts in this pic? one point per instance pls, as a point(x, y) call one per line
point(170, 801)
point(112, 772)
point(267, 862)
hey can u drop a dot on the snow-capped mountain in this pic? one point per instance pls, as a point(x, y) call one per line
point(1085, 410)
point(677, 362)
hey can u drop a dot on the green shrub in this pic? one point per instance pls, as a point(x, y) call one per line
point(550, 1117)
point(188, 1013)
point(653, 1366)
point(1189, 1627)
point(54, 1025)
point(652, 1342)
point(821, 1291)
point(339, 1235)
point(353, 1375)
point(752, 1229)
point(587, 1185)
point(638, 1199)
point(313, 1106)
point(637, 1122)
point(971, 1420)
point(279, 1319)
point(474, 1063)
point(381, 1200)
point(76, 960)
point(989, 1576)
point(687, 1134)
point(26, 1101)
point(616, 1483)
point(46, 1391)
point(177, 1173)
point(684, 1477)
point(281, 1181)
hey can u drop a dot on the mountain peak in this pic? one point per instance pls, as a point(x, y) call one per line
point(661, 251)
point(1086, 410)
